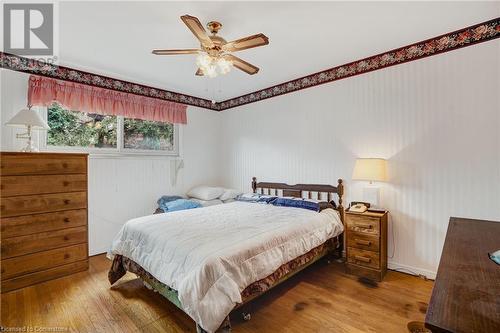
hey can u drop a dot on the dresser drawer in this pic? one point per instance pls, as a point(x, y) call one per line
point(32, 224)
point(363, 241)
point(26, 185)
point(44, 203)
point(363, 224)
point(41, 276)
point(363, 257)
point(18, 246)
point(42, 260)
point(42, 164)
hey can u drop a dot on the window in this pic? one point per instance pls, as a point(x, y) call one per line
point(147, 135)
point(74, 130)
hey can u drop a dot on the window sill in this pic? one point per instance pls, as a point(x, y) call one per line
point(103, 153)
point(93, 155)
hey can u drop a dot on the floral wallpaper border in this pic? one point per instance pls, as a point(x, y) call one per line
point(36, 67)
point(448, 42)
point(472, 35)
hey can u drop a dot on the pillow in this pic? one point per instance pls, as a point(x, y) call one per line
point(229, 194)
point(297, 203)
point(255, 197)
point(205, 192)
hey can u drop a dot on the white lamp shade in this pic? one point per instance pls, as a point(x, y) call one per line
point(371, 169)
point(28, 117)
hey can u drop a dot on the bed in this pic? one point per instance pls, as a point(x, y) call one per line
point(251, 248)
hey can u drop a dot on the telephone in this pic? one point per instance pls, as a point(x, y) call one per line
point(495, 256)
point(358, 208)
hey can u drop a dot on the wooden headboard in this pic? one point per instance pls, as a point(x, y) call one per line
point(322, 192)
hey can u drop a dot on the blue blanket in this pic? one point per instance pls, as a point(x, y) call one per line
point(297, 203)
point(174, 202)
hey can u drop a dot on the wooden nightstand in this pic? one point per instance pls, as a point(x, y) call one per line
point(366, 235)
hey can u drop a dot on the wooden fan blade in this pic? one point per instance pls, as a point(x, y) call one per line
point(242, 64)
point(199, 72)
point(197, 29)
point(246, 43)
point(173, 52)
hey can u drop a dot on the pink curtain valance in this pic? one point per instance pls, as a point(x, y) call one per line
point(44, 91)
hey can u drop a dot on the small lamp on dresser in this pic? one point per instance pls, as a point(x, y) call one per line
point(32, 121)
point(372, 170)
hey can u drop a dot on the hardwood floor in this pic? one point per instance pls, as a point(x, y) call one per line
point(320, 299)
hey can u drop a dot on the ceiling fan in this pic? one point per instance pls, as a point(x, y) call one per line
point(215, 54)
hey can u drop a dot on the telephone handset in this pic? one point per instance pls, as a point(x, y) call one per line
point(358, 208)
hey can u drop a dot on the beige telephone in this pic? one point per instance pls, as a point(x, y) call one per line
point(358, 208)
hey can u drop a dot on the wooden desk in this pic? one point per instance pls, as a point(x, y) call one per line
point(466, 293)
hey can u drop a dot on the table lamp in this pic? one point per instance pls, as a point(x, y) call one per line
point(32, 120)
point(372, 170)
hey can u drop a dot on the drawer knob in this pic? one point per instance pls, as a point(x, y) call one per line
point(363, 242)
point(65, 183)
point(363, 225)
point(66, 256)
point(66, 220)
point(66, 201)
point(66, 238)
point(363, 259)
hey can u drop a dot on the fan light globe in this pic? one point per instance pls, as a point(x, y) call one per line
point(224, 66)
point(210, 71)
point(211, 66)
point(203, 60)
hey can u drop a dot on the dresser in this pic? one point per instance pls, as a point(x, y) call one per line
point(43, 217)
point(366, 235)
point(466, 292)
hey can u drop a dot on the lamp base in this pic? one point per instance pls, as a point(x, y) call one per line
point(30, 147)
point(371, 194)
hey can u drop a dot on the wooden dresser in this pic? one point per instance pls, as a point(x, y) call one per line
point(466, 293)
point(43, 217)
point(366, 235)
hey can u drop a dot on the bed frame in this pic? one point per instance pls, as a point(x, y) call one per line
point(311, 191)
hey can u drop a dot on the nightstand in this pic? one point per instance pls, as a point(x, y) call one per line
point(366, 235)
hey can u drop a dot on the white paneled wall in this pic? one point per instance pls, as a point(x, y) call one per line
point(436, 120)
point(121, 188)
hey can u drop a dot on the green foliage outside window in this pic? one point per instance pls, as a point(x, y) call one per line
point(72, 128)
point(78, 129)
point(144, 134)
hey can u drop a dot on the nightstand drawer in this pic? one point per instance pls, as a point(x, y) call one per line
point(363, 241)
point(363, 224)
point(363, 258)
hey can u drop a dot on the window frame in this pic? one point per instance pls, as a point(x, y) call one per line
point(120, 150)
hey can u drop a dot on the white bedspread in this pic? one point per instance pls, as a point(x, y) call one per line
point(210, 255)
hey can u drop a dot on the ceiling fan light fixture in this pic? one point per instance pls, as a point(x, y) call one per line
point(213, 66)
point(215, 55)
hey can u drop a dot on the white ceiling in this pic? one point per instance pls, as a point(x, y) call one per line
point(116, 38)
